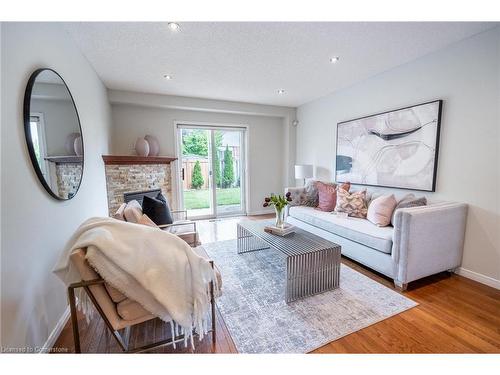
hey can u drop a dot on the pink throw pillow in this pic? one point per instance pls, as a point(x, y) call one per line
point(327, 196)
point(381, 209)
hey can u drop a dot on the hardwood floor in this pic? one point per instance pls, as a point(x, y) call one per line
point(455, 315)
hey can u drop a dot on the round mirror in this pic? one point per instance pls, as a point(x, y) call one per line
point(53, 134)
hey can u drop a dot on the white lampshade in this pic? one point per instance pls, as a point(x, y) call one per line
point(304, 171)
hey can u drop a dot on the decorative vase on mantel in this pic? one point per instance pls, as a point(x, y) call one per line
point(279, 202)
point(142, 147)
point(154, 145)
point(69, 144)
point(78, 145)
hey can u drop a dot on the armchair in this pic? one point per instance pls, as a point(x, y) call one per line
point(182, 227)
point(117, 311)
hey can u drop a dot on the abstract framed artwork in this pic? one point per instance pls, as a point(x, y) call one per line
point(397, 149)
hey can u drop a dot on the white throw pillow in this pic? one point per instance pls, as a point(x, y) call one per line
point(133, 212)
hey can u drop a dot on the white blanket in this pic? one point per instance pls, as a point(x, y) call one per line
point(153, 267)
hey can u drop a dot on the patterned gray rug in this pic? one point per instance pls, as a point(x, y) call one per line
point(253, 307)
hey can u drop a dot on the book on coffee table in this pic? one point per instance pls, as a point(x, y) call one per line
point(287, 229)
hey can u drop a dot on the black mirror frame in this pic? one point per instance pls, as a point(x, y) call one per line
point(29, 140)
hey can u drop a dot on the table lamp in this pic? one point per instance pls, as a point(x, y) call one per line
point(303, 171)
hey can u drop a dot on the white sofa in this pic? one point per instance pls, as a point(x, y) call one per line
point(424, 240)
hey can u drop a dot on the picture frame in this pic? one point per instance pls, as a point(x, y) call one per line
point(398, 148)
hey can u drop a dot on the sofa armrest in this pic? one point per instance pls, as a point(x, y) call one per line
point(428, 240)
point(182, 214)
point(178, 224)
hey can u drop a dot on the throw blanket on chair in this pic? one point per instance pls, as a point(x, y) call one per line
point(153, 267)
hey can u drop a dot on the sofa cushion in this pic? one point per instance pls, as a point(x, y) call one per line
point(355, 229)
point(130, 310)
point(114, 293)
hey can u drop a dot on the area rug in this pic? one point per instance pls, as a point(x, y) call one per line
point(259, 321)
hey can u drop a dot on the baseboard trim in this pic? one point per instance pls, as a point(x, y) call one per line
point(480, 278)
point(51, 340)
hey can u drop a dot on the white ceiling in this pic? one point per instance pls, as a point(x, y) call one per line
point(249, 62)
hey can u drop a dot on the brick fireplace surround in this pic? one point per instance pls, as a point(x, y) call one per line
point(134, 173)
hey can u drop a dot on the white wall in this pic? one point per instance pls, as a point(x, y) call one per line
point(60, 120)
point(34, 226)
point(269, 134)
point(466, 76)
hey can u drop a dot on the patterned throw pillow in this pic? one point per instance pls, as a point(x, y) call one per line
point(311, 192)
point(381, 209)
point(297, 196)
point(408, 201)
point(327, 196)
point(352, 203)
point(345, 185)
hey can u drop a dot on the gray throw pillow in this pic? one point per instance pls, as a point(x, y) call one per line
point(408, 201)
point(311, 198)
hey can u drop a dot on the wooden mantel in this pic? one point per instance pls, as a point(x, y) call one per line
point(133, 159)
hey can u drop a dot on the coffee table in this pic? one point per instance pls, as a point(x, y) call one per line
point(312, 263)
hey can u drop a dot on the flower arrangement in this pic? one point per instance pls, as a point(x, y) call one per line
point(279, 202)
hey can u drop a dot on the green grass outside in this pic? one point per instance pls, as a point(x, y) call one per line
point(195, 199)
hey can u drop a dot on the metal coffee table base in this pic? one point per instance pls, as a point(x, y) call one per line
point(310, 269)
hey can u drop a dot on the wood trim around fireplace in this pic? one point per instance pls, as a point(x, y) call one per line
point(133, 159)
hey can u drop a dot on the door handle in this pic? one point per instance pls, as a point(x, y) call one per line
point(182, 174)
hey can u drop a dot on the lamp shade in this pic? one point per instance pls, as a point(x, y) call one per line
point(303, 171)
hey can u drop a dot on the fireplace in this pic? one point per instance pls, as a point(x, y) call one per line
point(126, 174)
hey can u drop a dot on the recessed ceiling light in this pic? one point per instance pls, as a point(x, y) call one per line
point(168, 77)
point(334, 59)
point(281, 91)
point(174, 26)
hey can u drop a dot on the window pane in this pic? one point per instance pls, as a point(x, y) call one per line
point(36, 142)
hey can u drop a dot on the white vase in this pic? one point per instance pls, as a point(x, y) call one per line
point(78, 145)
point(154, 145)
point(142, 147)
point(69, 144)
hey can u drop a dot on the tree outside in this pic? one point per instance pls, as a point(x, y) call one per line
point(195, 142)
point(228, 177)
point(197, 178)
point(218, 175)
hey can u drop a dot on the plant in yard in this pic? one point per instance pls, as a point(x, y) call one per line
point(228, 177)
point(218, 175)
point(196, 177)
point(194, 142)
point(279, 202)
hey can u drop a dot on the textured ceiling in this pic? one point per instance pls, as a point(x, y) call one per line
point(249, 62)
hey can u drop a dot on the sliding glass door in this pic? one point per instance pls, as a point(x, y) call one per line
point(211, 170)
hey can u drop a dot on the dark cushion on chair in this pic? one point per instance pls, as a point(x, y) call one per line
point(157, 209)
